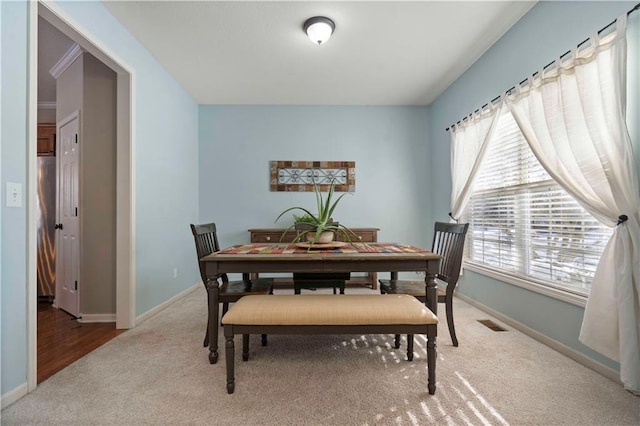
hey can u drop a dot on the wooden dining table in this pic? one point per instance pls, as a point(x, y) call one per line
point(249, 259)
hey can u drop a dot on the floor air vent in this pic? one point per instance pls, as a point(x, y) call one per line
point(492, 325)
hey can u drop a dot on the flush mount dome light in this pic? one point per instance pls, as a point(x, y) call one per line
point(319, 29)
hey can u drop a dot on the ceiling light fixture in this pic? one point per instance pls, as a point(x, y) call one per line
point(319, 29)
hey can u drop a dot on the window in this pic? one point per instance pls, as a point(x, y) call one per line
point(523, 224)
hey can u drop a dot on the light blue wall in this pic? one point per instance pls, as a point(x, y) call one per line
point(546, 32)
point(13, 290)
point(388, 144)
point(166, 162)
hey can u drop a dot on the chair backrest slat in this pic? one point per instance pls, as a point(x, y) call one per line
point(206, 241)
point(448, 242)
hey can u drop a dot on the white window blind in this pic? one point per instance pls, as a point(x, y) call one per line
point(523, 224)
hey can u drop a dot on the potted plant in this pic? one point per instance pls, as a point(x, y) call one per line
point(320, 227)
point(306, 226)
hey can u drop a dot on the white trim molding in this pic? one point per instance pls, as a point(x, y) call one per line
point(579, 357)
point(13, 395)
point(89, 318)
point(32, 200)
point(531, 285)
point(66, 60)
point(151, 312)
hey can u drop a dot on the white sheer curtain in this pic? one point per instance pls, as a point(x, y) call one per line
point(469, 142)
point(573, 117)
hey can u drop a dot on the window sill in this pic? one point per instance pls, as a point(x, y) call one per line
point(528, 284)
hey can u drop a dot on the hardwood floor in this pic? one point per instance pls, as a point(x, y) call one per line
point(63, 340)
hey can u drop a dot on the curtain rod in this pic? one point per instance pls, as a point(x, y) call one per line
point(636, 7)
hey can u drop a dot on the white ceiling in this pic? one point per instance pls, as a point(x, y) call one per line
point(255, 52)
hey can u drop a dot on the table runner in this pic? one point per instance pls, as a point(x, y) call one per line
point(349, 248)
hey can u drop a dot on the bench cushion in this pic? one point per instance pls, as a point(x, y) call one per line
point(352, 309)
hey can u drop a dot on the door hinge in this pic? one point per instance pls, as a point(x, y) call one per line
point(76, 285)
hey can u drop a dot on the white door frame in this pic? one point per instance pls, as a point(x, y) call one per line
point(125, 172)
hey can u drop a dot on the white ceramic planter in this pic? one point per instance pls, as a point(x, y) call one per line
point(325, 237)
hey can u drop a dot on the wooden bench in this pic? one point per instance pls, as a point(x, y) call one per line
point(328, 314)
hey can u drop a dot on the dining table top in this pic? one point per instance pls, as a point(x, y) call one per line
point(352, 257)
point(328, 250)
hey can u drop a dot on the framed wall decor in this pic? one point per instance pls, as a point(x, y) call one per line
point(299, 176)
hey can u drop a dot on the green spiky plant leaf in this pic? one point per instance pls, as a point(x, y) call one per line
point(320, 222)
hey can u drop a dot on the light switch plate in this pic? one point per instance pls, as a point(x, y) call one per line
point(14, 194)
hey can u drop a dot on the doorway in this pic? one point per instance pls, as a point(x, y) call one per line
point(125, 262)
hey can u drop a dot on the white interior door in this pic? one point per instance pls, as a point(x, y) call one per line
point(67, 219)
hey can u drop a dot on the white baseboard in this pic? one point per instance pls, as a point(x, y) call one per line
point(13, 395)
point(579, 357)
point(151, 312)
point(88, 318)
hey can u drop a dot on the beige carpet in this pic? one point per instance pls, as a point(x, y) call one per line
point(158, 373)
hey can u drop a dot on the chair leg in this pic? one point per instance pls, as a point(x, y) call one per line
point(206, 335)
point(245, 347)
point(410, 347)
point(452, 328)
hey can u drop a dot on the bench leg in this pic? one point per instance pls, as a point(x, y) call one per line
point(264, 340)
point(245, 347)
point(410, 347)
point(431, 363)
point(229, 355)
point(396, 342)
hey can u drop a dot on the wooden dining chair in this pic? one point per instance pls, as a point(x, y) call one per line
point(219, 288)
point(448, 242)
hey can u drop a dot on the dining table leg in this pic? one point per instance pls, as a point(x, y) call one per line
point(431, 290)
